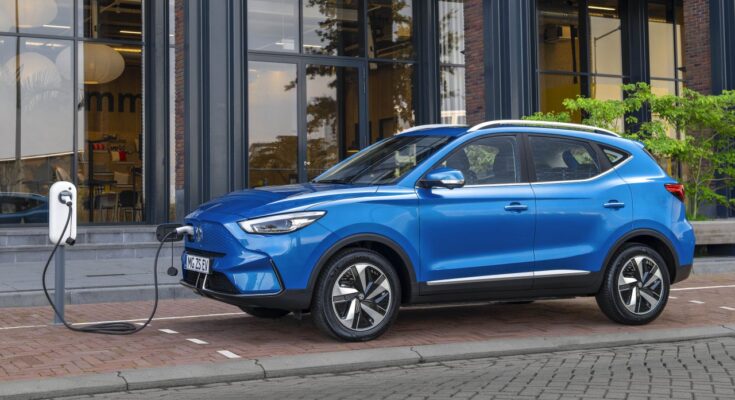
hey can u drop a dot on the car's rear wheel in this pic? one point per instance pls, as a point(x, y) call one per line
point(636, 286)
point(357, 296)
point(262, 312)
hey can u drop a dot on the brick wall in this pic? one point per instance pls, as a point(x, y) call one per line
point(474, 76)
point(696, 43)
point(179, 87)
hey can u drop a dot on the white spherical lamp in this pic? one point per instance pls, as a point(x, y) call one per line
point(31, 13)
point(102, 64)
point(35, 69)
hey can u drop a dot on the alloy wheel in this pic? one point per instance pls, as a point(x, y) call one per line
point(361, 297)
point(640, 285)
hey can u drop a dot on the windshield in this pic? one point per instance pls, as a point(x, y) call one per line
point(385, 163)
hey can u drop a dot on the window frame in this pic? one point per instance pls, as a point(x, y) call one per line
point(605, 165)
point(519, 150)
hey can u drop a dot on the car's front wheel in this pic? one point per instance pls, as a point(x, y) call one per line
point(357, 296)
point(636, 286)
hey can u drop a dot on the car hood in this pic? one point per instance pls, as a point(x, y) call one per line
point(267, 200)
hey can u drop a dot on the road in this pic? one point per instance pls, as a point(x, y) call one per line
point(685, 370)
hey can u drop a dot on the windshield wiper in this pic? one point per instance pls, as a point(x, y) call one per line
point(337, 181)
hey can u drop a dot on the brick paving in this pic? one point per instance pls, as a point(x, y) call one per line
point(40, 350)
point(685, 370)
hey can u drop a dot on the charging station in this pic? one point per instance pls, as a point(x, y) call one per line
point(62, 230)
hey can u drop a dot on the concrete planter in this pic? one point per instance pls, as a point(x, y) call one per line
point(715, 232)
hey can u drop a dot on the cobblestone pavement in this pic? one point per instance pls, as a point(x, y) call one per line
point(31, 349)
point(684, 370)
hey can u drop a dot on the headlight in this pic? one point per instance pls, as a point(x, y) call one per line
point(282, 223)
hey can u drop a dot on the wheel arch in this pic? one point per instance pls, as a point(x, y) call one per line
point(654, 239)
point(383, 245)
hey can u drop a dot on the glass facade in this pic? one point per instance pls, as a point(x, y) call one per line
point(49, 64)
point(341, 74)
point(580, 51)
point(325, 78)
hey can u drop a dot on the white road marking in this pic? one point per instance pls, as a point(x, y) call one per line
point(228, 354)
point(727, 308)
point(197, 341)
point(703, 287)
point(171, 331)
point(141, 323)
point(673, 297)
point(696, 301)
point(7, 328)
point(131, 320)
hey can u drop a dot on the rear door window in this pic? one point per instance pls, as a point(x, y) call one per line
point(558, 159)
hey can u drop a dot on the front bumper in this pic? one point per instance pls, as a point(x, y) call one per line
point(294, 300)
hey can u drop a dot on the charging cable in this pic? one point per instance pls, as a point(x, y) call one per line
point(106, 328)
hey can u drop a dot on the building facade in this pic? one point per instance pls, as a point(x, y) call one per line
point(154, 107)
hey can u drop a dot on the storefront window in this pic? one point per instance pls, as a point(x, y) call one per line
point(391, 103)
point(273, 25)
point(452, 61)
point(332, 27)
point(272, 136)
point(36, 110)
point(665, 50)
point(576, 61)
point(360, 89)
point(37, 105)
point(111, 19)
point(332, 116)
point(390, 24)
point(41, 17)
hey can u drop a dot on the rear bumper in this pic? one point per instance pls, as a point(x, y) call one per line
point(293, 300)
point(682, 273)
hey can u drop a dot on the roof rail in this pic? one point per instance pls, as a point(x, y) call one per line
point(519, 122)
point(429, 126)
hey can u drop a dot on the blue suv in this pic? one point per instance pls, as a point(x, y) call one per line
point(506, 211)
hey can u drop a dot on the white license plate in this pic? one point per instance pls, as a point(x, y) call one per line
point(197, 264)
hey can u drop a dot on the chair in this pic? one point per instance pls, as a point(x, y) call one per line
point(128, 202)
point(106, 204)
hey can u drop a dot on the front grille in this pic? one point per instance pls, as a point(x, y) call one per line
point(215, 281)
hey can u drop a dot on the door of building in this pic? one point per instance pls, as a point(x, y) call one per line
point(305, 115)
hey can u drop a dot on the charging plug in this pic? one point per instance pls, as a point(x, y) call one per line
point(65, 197)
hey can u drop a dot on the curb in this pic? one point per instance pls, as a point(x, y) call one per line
point(336, 362)
point(36, 298)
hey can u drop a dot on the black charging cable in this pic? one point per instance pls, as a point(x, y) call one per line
point(106, 328)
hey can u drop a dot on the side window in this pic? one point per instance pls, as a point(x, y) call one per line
point(487, 161)
point(556, 159)
point(614, 155)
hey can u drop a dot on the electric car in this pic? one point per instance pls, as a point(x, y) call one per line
point(508, 211)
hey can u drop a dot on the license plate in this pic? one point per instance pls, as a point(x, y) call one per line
point(197, 264)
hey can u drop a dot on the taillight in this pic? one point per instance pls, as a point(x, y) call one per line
point(677, 189)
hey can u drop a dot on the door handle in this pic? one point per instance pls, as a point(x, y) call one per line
point(517, 207)
point(614, 204)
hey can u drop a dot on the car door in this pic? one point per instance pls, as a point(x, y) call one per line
point(582, 207)
point(480, 236)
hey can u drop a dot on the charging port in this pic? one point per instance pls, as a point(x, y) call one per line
point(164, 229)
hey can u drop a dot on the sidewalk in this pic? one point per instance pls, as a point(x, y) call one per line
point(204, 335)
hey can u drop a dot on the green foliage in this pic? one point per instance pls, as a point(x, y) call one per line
point(705, 122)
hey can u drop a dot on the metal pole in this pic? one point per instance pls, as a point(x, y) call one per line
point(60, 282)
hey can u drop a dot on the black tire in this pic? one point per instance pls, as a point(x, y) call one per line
point(266, 313)
point(364, 327)
point(616, 303)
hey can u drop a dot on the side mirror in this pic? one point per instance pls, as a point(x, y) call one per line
point(443, 177)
